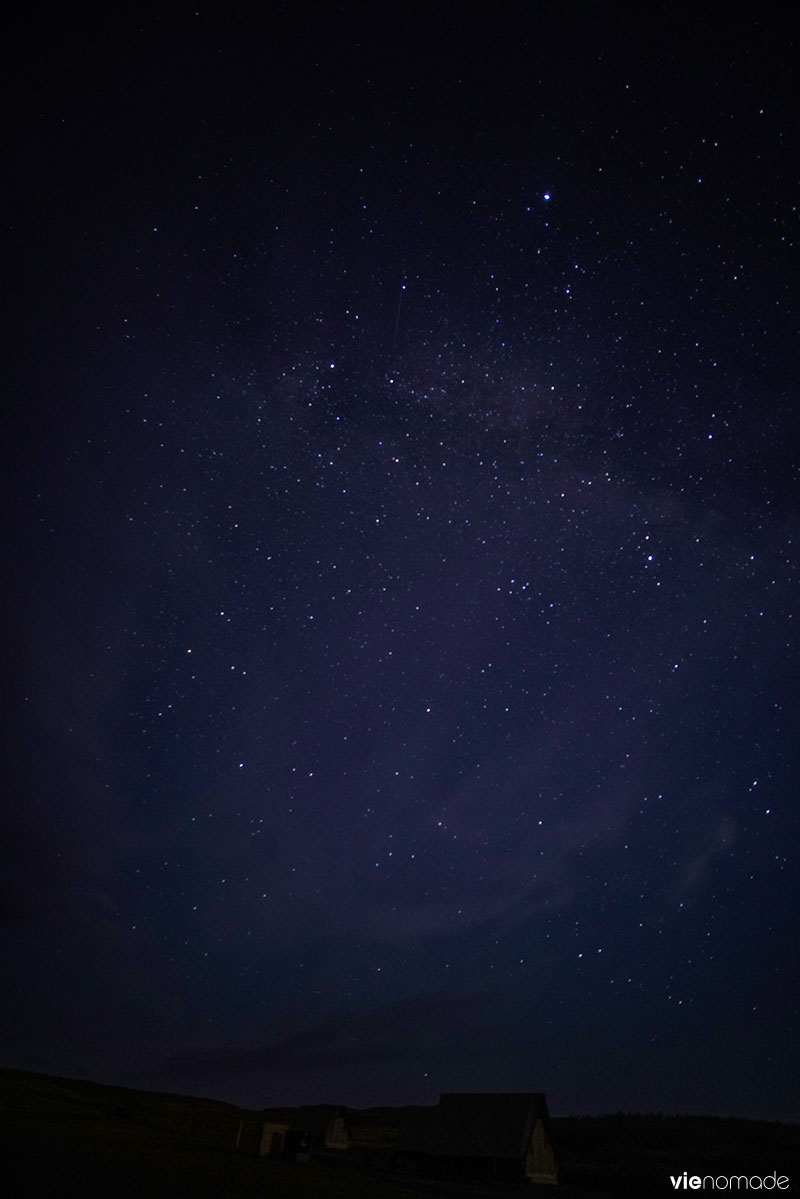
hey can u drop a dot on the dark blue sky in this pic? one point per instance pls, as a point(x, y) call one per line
point(403, 557)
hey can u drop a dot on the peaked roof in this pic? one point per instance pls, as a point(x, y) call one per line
point(474, 1125)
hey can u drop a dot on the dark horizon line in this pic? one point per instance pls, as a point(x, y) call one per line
point(238, 1108)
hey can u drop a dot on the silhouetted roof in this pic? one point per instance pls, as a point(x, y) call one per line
point(474, 1125)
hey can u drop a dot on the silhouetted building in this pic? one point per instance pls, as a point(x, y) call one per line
point(273, 1135)
point(322, 1126)
point(479, 1135)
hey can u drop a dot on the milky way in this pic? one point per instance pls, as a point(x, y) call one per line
point(403, 562)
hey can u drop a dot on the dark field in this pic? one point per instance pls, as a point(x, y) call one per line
point(62, 1138)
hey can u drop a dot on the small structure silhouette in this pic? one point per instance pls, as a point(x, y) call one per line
point(314, 1129)
point(484, 1135)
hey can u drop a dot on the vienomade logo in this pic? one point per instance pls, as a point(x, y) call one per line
point(729, 1182)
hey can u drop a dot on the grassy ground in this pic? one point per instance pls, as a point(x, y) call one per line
point(62, 1139)
point(634, 1155)
point(126, 1166)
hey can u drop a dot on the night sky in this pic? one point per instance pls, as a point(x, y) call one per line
point(402, 541)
